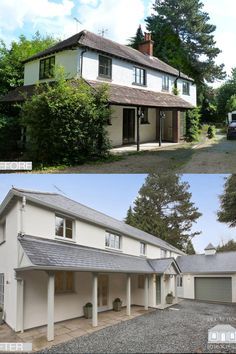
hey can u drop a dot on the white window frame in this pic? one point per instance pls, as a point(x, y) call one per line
point(163, 253)
point(108, 67)
point(166, 83)
point(143, 249)
point(111, 240)
point(232, 336)
point(186, 89)
point(179, 281)
point(213, 335)
point(64, 228)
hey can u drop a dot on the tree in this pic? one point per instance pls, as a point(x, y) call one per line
point(231, 104)
point(227, 247)
point(11, 59)
point(129, 216)
point(225, 92)
point(164, 209)
point(184, 38)
point(227, 212)
point(189, 248)
point(66, 122)
point(137, 39)
point(193, 124)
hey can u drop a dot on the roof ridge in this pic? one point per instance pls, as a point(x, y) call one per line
point(32, 191)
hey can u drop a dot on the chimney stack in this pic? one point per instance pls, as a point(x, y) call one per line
point(146, 47)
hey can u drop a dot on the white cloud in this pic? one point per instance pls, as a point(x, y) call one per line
point(121, 18)
point(14, 14)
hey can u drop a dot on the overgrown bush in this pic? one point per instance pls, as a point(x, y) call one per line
point(10, 135)
point(211, 132)
point(66, 123)
point(193, 125)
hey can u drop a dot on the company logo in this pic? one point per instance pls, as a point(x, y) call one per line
point(15, 347)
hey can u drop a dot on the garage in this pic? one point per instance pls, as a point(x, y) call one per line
point(213, 289)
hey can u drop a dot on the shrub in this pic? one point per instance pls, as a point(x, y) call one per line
point(89, 304)
point(193, 124)
point(211, 132)
point(10, 133)
point(65, 123)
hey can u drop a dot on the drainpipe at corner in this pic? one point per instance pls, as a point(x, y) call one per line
point(22, 216)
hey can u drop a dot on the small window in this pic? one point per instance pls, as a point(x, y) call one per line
point(46, 68)
point(163, 253)
point(139, 76)
point(141, 280)
point(232, 336)
point(213, 335)
point(144, 115)
point(165, 83)
point(105, 67)
point(180, 281)
point(142, 248)
point(113, 241)
point(3, 231)
point(186, 88)
point(64, 282)
point(64, 227)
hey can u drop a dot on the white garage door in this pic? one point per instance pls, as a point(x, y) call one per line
point(213, 289)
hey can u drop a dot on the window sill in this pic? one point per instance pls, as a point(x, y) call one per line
point(104, 78)
point(62, 239)
point(140, 85)
point(113, 249)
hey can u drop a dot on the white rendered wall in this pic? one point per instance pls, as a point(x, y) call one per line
point(67, 59)
point(9, 261)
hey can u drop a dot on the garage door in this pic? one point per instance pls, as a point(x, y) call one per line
point(213, 289)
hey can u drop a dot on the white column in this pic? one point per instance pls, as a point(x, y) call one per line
point(95, 300)
point(176, 296)
point(128, 295)
point(163, 292)
point(20, 302)
point(51, 291)
point(146, 293)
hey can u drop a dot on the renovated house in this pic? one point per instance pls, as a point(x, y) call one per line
point(143, 105)
point(57, 254)
point(208, 277)
point(224, 334)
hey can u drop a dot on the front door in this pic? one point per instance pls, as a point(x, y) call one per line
point(158, 290)
point(103, 285)
point(128, 125)
point(167, 127)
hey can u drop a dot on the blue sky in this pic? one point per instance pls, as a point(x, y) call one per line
point(121, 19)
point(113, 194)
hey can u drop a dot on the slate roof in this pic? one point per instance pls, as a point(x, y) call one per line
point(60, 203)
point(50, 254)
point(222, 262)
point(161, 265)
point(93, 41)
point(132, 96)
point(209, 247)
point(117, 95)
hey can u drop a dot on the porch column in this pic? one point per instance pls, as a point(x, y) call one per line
point(128, 295)
point(146, 293)
point(163, 300)
point(20, 301)
point(51, 291)
point(176, 296)
point(95, 300)
point(138, 128)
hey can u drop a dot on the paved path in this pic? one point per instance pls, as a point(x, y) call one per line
point(184, 330)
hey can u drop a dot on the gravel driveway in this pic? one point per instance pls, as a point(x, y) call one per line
point(183, 331)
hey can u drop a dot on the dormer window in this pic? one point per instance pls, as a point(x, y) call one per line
point(46, 68)
point(64, 227)
point(105, 67)
point(163, 253)
point(165, 83)
point(139, 76)
point(113, 241)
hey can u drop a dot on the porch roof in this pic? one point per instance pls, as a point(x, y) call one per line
point(124, 95)
point(165, 265)
point(57, 255)
point(118, 95)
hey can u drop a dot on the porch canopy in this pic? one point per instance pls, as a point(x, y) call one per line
point(37, 253)
point(118, 95)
